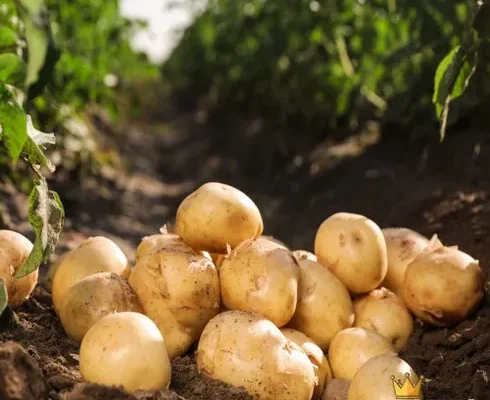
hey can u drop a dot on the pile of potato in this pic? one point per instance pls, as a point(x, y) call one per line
point(283, 324)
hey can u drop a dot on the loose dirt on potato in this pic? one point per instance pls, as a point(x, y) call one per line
point(438, 188)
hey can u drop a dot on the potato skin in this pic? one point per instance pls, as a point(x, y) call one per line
point(93, 255)
point(373, 380)
point(353, 248)
point(178, 288)
point(262, 277)
point(14, 250)
point(151, 242)
point(352, 347)
point(336, 389)
point(125, 349)
point(246, 350)
point(442, 287)
point(324, 305)
point(92, 298)
point(384, 312)
point(304, 255)
point(217, 215)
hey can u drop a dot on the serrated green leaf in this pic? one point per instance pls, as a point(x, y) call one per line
point(7, 37)
point(46, 215)
point(12, 69)
point(36, 142)
point(4, 298)
point(13, 126)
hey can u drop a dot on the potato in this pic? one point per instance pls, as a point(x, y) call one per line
point(403, 245)
point(261, 276)
point(376, 379)
point(125, 349)
point(14, 250)
point(150, 243)
point(336, 389)
point(92, 298)
point(353, 248)
point(53, 268)
point(216, 216)
point(352, 347)
point(383, 311)
point(324, 306)
point(275, 240)
point(93, 255)
point(304, 255)
point(178, 288)
point(323, 372)
point(246, 350)
point(444, 286)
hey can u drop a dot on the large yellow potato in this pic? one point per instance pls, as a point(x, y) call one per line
point(216, 216)
point(403, 245)
point(352, 347)
point(93, 255)
point(178, 288)
point(14, 250)
point(92, 298)
point(442, 287)
point(125, 349)
point(324, 306)
point(375, 380)
point(353, 248)
point(246, 350)
point(315, 354)
point(384, 312)
point(261, 276)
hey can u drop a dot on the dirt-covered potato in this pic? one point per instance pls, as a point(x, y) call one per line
point(125, 349)
point(304, 255)
point(261, 276)
point(324, 305)
point(93, 255)
point(149, 243)
point(14, 250)
point(354, 249)
point(442, 287)
point(384, 312)
point(377, 377)
point(216, 216)
point(246, 350)
point(92, 298)
point(403, 245)
point(178, 288)
point(315, 354)
point(336, 389)
point(352, 347)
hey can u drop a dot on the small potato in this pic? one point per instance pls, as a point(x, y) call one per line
point(376, 379)
point(352, 347)
point(246, 350)
point(336, 389)
point(261, 276)
point(324, 306)
point(216, 216)
point(178, 288)
point(353, 248)
point(92, 298)
point(403, 245)
point(323, 372)
point(93, 255)
point(14, 250)
point(444, 286)
point(125, 349)
point(383, 311)
point(304, 255)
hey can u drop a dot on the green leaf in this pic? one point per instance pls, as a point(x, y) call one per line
point(13, 126)
point(37, 141)
point(8, 37)
point(4, 298)
point(42, 52)
point(446, 73)
point(12, 69)
point(46, 215)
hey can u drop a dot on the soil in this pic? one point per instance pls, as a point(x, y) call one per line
point(429, 187)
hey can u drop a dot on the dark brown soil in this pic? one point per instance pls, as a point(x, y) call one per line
point(441, 189)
